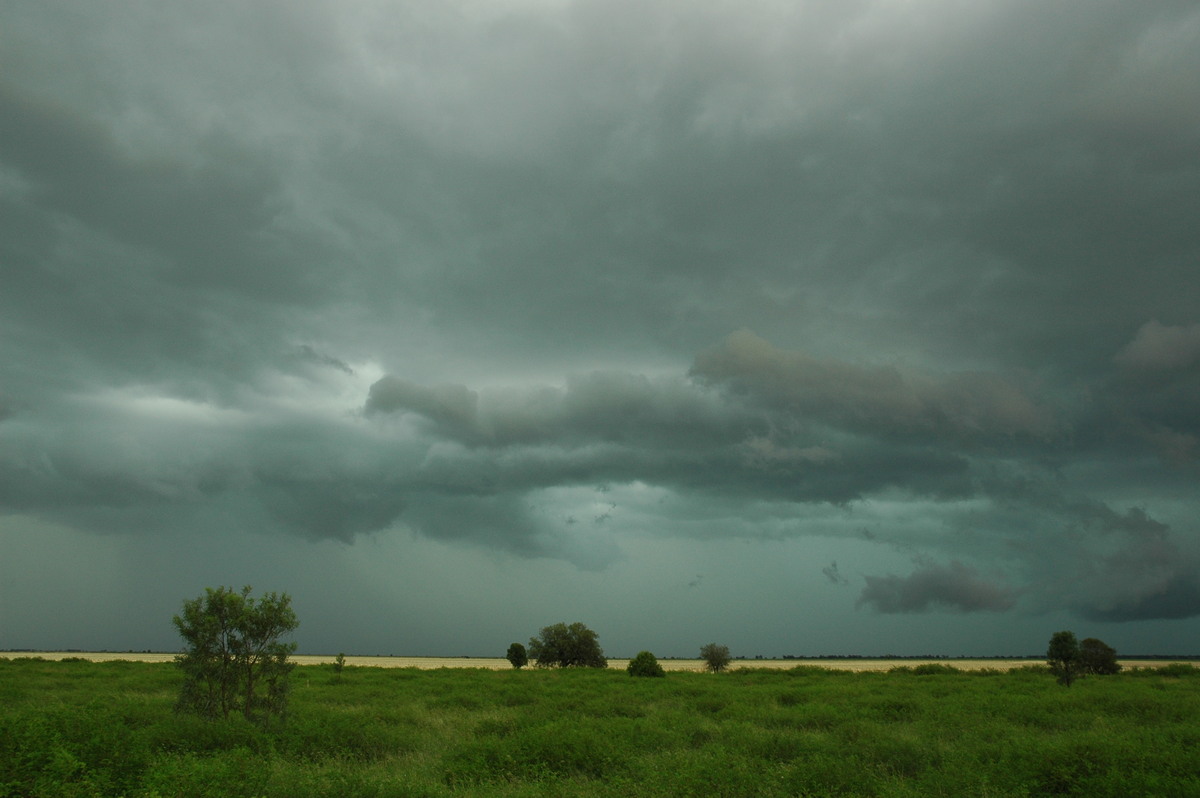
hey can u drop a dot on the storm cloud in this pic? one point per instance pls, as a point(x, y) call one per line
point(872, 399)
point(955, 587)
point(877, 310)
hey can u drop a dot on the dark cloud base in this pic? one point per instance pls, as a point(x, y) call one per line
point(755, 423)
point(553, 283)
point(955, 587)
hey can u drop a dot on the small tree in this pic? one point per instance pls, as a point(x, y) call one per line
point(574, 646)
point(339, 665)
point(716, 658)
point(517, 656)
point(1063, 657)
point(233, 660)
point(645, 664)
point(1098, 657)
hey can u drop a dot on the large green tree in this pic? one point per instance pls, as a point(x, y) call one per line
point(563, 646)
point(1063, 657)
point(233, 660)
point(1097, 657)
point(716, 658)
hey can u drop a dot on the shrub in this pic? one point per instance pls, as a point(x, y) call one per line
point(1098, 657)
point(935, 669)
point(233, 661)
point(1174, 669)
point(716, 658)
point(517, 656)
point(645, 664)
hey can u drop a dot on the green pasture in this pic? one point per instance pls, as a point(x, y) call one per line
point(77, 728)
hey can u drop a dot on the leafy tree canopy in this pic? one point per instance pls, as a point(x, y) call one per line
point(1097, 657)
point(716, 658)
point(233, 660)
point(563, 646)
point(1063, 657)
point(517, 656)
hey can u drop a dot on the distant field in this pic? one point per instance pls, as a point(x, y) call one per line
point(499, 663)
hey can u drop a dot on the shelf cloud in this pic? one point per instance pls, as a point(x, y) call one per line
point(874, 314)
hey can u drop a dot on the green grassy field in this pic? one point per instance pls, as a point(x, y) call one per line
point(98, 729)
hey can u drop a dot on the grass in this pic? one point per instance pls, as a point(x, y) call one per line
point(101, 729)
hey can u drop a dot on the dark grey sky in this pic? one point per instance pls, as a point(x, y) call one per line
point(808, 327)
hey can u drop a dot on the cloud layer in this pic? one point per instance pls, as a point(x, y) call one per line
point(608, 287)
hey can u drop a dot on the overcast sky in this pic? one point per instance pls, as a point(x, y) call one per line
point(809, 327)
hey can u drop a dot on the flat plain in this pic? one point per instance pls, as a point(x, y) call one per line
point(75, 727)
point(501, 664)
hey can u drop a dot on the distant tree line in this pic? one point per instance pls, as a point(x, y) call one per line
point(576, 646)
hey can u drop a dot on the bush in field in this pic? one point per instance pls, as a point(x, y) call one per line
point(1175, 670)
point(574, 646)
point(517, 656)
point(645, 664)
point(1098, 657)
point(233, 660)
point(934, 669)
point(1063, 657)
point(716, 658)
